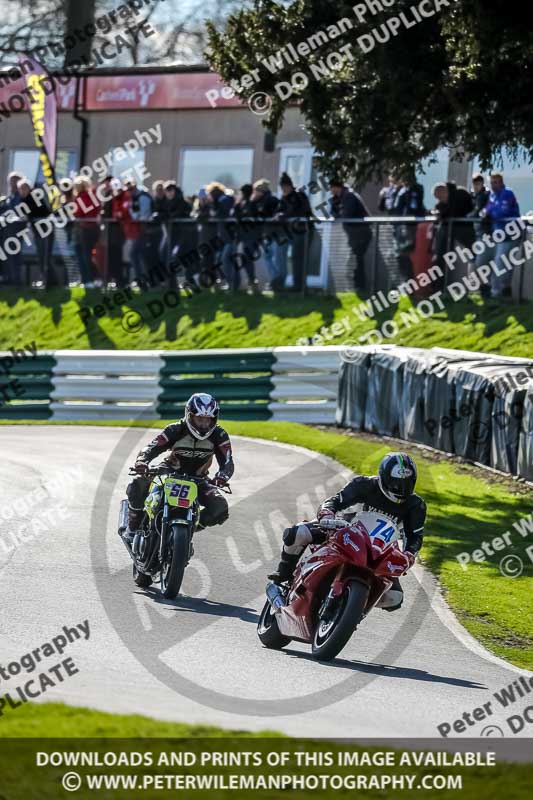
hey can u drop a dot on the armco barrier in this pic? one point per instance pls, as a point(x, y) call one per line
point(475, 405)
point(33, 377)
point(284, 383)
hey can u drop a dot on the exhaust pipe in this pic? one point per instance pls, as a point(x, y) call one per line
point(275, 596)
point(123, 516)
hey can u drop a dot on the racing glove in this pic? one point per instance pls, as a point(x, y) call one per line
point(325, 513)
point(220, 479)
point(411, 558)
point(141, 467)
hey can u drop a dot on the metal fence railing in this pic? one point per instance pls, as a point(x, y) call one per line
point(376, 254)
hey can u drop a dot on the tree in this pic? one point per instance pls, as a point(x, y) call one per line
point(78, 16)
point(180, 30)
point(459, 78)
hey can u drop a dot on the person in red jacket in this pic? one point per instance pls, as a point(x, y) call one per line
point(112, 211)
point(86, 231)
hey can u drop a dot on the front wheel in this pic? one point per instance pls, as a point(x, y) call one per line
point(268, 631)
point(334, 631)
point(173, 569)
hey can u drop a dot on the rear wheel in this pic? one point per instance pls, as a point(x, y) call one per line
point(173, 569)
point(268, 631)
point(335, 629)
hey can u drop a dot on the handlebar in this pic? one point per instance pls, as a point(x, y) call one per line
point(161, 469)
point(333, 523)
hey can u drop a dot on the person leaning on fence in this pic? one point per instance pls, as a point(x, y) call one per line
point(502, 207)
point(408, 202)
point(15, 261)
point(293, 204)
point(206, 233)
point(480, 198)
point(221, 204)
point(114, 233)
point(140, 212)
point(453, 202)
point(387, 196)
point(37, 211)
point(86, 230)
point(269, 235)
point(347, 204)
point(246, 235)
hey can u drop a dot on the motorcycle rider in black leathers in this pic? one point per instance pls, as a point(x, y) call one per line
point(193, 443)
point(390, 493)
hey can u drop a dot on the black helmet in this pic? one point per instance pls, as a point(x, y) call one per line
point(397, 476)
point(201, 415)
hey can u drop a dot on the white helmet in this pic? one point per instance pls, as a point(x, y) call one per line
point(201, 415)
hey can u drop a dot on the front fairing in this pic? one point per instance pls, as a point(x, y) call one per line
point(346, 548)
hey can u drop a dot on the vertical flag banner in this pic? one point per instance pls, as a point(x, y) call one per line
point(42, 105)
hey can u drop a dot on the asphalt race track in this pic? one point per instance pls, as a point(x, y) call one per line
point(198, 659)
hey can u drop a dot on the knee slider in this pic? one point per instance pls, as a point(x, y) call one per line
point(289, 535)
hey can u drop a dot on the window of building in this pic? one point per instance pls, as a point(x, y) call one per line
point(518, 177)
point(232, 166)
point(129, 168)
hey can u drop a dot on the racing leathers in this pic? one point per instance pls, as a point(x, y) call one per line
point(363, 493)
point(193, 456)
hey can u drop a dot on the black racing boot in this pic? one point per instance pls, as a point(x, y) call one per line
point(285, 569)
point(135, 518)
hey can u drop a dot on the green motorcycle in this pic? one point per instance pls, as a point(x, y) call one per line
point(164, 545)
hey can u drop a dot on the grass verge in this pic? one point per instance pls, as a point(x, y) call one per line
point(41, 720)
point(24, 776)
point(466, 507)
point(219, 320)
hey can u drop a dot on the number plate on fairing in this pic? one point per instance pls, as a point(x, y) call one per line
point(180, 493)
point(379, 525)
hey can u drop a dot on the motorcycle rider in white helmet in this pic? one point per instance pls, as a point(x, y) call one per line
point(193, 442)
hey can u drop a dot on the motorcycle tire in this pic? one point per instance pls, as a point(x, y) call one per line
point(140, 579)
point(172, 570)
point(330, 638)
point(268, 631)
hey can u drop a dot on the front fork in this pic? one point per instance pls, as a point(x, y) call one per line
point(333, 595)
point(164, 530)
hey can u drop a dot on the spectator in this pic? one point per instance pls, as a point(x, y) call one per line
point(14, 262)
point(206, 232)
point(293, 204)
point(387, 196)
point(158, 197)
point(157, 231)
point(265, 206)
point(246, 235)
point(502, 207)
point(37, 210)
point(453, 202)
point(480, 197)
point(180, 237)
point(408, 202)
point(347, 204)
point(66, 187)
point(140, 212)
point(221, 206)
point(86, 231)
point(112, 217)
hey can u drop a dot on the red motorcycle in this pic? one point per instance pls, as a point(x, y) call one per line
point(336, 586)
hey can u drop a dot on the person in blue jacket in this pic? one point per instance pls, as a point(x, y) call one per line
point(501, 208)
